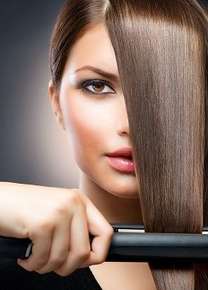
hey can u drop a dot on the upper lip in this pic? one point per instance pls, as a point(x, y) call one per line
point(122, 152)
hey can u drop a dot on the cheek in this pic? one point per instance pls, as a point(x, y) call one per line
point(89, 123)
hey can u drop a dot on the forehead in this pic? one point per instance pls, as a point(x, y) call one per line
point(93, 48)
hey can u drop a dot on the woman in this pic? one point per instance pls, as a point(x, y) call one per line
point(155, 54)
point(161, 53)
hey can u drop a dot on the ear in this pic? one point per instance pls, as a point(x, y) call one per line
point(54, 99)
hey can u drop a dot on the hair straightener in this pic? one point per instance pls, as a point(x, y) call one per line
point(130, 243)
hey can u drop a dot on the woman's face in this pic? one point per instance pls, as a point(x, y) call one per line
point(95, 118)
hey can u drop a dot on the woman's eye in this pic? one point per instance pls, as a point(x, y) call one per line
point(97, 87)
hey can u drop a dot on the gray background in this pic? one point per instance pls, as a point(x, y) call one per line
point(33, 148)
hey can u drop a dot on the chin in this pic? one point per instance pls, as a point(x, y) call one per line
point(123, 194)
point(130, 196)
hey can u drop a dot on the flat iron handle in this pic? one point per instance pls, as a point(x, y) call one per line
point(132, 245)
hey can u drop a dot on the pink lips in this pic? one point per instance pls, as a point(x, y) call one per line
point(121, 164)
point(122, 160)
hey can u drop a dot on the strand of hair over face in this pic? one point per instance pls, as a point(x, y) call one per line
point(161, 51)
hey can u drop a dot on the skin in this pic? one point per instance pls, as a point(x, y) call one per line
point(97, 124)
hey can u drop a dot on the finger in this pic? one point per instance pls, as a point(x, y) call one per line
point(99, 227)
point(79, 245)
point(60, 247)
point(40, 251)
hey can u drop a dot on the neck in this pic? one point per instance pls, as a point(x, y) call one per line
point(114, 209)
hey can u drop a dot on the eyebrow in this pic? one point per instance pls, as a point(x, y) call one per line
point(99, 71)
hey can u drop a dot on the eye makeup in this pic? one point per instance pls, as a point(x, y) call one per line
point(83, 84)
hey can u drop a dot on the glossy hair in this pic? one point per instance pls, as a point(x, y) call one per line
point(161, 48)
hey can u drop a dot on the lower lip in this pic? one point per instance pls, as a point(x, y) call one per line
point(122, 164)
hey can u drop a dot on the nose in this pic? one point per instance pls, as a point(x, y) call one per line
point(123, 124)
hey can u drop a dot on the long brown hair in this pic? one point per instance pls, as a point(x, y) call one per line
point(161, 48)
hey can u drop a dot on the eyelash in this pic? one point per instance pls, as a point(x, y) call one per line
point(82, 85)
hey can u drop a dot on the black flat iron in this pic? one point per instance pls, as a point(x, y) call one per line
point(130, 243)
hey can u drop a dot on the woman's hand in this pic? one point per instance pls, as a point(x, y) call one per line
point(58, 221)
